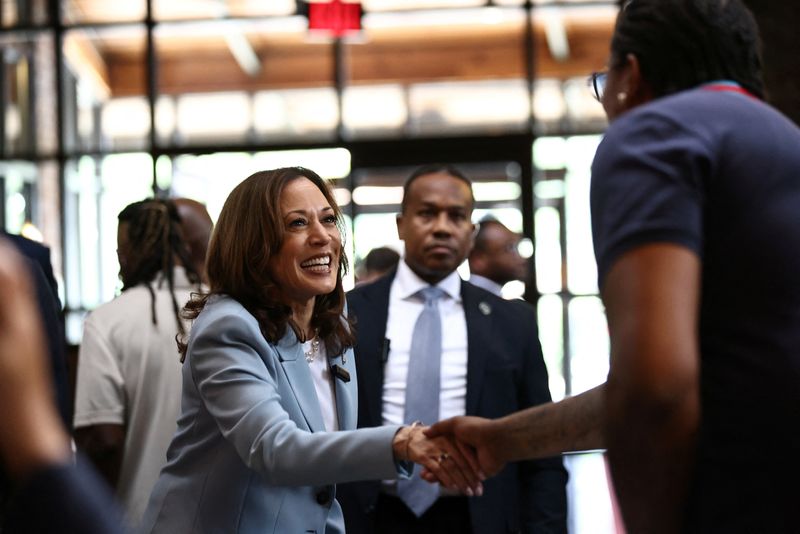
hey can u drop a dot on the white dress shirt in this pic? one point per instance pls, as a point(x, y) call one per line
point(489, 285)
point(323, 385)
point(404, 309)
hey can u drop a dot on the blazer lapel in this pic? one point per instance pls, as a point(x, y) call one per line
point(346, 392)
point(478, 312)
point(294, 365)
point(370, 307)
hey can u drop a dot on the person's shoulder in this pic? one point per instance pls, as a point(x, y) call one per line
point(220, 308)
point(362, 293)
point(479, 295)
point(27, 246)
point(125, 306)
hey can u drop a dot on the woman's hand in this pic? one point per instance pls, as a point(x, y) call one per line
point(454, 466)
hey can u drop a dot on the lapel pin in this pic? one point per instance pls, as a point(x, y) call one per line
point(485, 308)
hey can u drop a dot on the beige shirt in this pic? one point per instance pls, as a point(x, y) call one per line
point(129, 373)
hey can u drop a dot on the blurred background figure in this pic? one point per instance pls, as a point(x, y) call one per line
point(49, 493)
point(196, 226)
point(377, 262)
point(495, 259)
point(40, 269)
point(128, 385)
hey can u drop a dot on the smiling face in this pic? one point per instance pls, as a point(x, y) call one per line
point(436, 226)
point(307, 263)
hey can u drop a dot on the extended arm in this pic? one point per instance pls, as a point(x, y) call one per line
point(100, 401)
point(573, 424)
point(652, 398)
point(237, 375)
point(104, 444)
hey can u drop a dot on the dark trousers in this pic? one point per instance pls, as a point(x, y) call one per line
point(448, 515)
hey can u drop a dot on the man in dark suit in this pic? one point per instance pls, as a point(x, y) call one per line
point(490, 363)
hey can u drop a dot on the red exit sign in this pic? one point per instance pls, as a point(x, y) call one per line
point(334, 17)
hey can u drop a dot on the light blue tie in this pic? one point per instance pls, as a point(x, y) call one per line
point(422, 391)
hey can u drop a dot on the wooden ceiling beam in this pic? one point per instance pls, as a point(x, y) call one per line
point(467, 56)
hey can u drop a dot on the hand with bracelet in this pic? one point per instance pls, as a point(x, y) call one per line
point(445, 460)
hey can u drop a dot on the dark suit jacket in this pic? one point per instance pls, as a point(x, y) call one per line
point(505, 373)
point(41, 273)
point(67, 499)
point(38, 253)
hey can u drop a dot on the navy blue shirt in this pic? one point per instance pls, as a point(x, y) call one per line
point(719, 173)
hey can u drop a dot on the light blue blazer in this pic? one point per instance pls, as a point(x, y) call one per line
point(251, 453)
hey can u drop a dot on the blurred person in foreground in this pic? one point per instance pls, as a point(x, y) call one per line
point(50, 494)
point(495, 260)
point(695, 203)
point(269, 382)
point(127, 391)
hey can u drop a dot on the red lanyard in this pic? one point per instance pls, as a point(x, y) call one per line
point(729, 88)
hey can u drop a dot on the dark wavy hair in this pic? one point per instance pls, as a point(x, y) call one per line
point(249, 233)
point(681, 44)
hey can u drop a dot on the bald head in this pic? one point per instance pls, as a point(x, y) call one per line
point(196, 226)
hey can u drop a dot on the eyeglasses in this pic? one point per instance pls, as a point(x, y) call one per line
point(597, 83)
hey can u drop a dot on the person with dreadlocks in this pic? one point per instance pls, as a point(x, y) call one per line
point(128, 381)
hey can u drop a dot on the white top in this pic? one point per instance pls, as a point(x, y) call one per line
point(323, 385)
point(403, 312)
point(484, 283)
point(129, 373)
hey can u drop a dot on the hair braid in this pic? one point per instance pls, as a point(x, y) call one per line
point(155, 246)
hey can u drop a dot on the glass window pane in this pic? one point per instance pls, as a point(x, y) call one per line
point(397, 5)
point(581, 266)
point(437, 71)
point(237, 82)
point(295, 114)
point(589, 348)
point(590, 510)
point(24, 13)
point(87, 11)
point(28, 125)
point(105, 86)
point(372, 230)
point(192, 9)
point(30, 204)
point(96, 191)
point(549, 105)
point(209, 178)
point(549, 261)
point(551, 336)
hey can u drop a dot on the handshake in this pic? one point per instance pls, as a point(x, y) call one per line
point(458, 453)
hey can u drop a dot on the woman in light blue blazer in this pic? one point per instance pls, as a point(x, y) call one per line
point(269, 384)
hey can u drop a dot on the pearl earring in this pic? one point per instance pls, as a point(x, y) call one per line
point(622, 96)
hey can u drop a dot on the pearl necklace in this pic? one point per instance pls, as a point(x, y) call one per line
point(311, 353)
